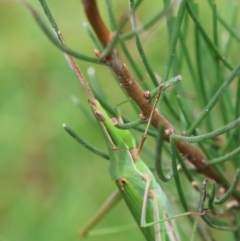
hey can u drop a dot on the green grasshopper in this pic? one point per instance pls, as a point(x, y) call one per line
point(146, 200)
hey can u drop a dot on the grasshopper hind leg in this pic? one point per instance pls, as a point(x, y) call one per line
point(113, 199)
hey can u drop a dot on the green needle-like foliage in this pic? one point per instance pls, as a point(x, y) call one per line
point(188, 50)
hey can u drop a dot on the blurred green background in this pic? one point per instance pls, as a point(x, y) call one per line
point(49, 185)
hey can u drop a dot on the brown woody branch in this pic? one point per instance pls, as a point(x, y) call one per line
point(138, 95)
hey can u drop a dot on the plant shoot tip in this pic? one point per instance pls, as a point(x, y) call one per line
point(74, 98)
point(91, 71)
point(84, 23)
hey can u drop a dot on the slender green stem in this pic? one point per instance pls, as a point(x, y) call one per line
point(171, 59)
point(114, 40)
point(174, 26)
point(188, 59)
point(132, 62)
point(112, 21)
point(190, 66)
point(176, 174)
point(170, 107)
point(200, 69)
point(236, 135)
point(94, 83)
point(213, 222)
point(83, 109)
point(200, 59)
point(225, 180)
point(114, 27)
point(85, 144)
point(52, 37)
point(146, 25)
point(237, 110)
point(196, 85)
point(49, 15)
point(206, 37)
point(218, 73)
point(140, 48)
point(188, 121)
point(111, 44)
point(215, 26)
point(230, 191)
point(218, 224)
point(166, 84)
point(92, 36)
point(229, 29)
point(223, 158)
point(188, 172)
point(209, 135)
point(227, 145)
point(183, 110)
point(211, 198)
point(123, 45)
point(233, 15)
point(158, 157)
point(194, 229)
point(173, 41)
point(184, 168)
point(130, 125)
point(178, 182)
point(214, 99)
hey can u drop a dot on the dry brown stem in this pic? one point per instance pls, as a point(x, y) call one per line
point(137, 94)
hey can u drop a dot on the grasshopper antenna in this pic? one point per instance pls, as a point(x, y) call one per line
point(144, 136)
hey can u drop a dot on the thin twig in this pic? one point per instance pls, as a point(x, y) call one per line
point(127, 81)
